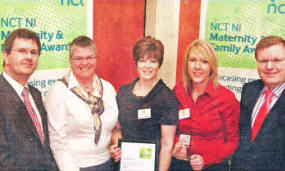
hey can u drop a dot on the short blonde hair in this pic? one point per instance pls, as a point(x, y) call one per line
point(207, 50)
point(81, 41)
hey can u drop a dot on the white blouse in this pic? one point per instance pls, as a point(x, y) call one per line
point(71, 126)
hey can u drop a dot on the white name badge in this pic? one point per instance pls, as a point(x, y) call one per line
point(184, 113)
point(184, 139)
point(144, 113)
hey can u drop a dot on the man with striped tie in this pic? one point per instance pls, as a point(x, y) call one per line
point(24, 141)
point(262, 117)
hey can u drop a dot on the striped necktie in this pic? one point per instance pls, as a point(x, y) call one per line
point(32, 113)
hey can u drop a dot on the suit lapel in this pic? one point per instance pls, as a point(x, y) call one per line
point(273, 116)
point(23, 120)
point(253, 94)
point(249, 100)
point(38, 101)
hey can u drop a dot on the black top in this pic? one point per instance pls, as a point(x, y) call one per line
point(164, 111)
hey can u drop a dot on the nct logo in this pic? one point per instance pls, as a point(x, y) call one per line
point(276, 8)
point(71, 2)
point(145, 153)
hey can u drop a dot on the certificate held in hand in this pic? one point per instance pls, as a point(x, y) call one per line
point(139, 155)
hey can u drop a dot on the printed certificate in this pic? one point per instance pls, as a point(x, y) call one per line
point(139, 155)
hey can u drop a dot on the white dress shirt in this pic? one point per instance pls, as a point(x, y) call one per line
point(71, 126)
point(277, 91)
point(19, 89)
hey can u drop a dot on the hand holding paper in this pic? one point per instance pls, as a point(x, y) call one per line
point(180, 152)
point(115, 152)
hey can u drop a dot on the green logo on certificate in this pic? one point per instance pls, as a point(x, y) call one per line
point(145, 153)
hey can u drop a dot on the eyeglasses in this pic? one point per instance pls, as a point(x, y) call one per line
point(275, 61)
point(24, 51)
point(80, 59)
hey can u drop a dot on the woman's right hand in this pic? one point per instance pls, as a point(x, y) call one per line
point(180, 152)
point(115, 152)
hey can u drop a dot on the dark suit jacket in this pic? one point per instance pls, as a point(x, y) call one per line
point(20, 146)
point(267, 152)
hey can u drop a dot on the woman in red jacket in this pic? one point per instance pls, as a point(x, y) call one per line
point(208, 114)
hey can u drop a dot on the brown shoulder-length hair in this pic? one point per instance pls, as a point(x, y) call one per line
point(267, 42)
point(148, 46)
point(209, 53)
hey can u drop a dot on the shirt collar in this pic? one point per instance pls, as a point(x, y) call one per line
point(16, 85)
point(74, 83)
point(276, 91)
point(210, 89)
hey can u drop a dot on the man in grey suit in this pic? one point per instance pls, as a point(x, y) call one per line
point(24, 141)
point(262, 118)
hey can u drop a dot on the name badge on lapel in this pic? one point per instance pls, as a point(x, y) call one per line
point(184, 113)
point(144, 113)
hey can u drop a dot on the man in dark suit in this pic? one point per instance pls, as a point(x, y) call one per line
point(24, 141)
point(262, 118)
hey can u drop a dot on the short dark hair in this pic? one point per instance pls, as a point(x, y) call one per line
point(81, 41)
point(21, 33)
point(148, 46)
point(267, 42)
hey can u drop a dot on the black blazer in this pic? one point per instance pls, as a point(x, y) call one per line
point(20, 146)
point(267, 152)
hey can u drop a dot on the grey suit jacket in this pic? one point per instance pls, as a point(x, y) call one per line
point(20, 146)
point(267, 152)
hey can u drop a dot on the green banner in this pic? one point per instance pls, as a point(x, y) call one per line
point(56, 22)
point(235, 26)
